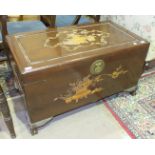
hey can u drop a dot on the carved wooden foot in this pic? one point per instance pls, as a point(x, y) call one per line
point(35, 126)
point(33, 131)
point(132, 91)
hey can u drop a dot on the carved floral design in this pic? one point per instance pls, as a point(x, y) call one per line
point(115, 74)
point(77, 38)
point(87, 86)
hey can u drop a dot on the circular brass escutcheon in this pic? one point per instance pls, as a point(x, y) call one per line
point(97, 67)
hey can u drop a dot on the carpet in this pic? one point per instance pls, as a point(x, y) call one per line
point(136, 114)
point(7, 80)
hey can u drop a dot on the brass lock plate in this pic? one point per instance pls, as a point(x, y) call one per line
point(97, 67)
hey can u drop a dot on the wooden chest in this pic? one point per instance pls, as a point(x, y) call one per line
point(64, 68)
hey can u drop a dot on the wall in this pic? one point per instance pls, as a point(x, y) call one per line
point(142, 25)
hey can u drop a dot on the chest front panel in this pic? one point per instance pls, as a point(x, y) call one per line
point(76, 84)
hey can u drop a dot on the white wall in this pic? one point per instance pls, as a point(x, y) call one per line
point(143, 25)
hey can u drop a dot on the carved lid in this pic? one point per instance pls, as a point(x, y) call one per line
point(42, 49)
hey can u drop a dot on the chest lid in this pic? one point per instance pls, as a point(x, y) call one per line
point(43, 49)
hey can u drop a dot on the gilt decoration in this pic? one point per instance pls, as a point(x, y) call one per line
point(88, 86)
point(77, 38)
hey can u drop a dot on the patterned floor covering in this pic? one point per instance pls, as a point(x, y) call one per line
point(6, 80)
point(136, 114)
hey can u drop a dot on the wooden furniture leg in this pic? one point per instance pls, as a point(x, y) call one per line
point(97, 18)
point(78, 17)
point(6, 113)
point(76, 20)
point(132, 91)
point(35, 126)
point(48, 20)
point(150, 64)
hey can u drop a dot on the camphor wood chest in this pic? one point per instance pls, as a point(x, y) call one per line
point(64, 68)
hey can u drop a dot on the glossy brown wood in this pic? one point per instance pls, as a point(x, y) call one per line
point(45, 73)
point(6, 113)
